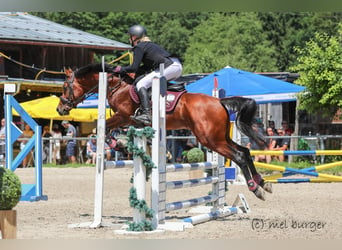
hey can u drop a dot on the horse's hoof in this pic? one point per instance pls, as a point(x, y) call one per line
point(268, 187)
point(259, 192)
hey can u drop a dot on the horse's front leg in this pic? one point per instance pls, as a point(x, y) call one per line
point(117, 121)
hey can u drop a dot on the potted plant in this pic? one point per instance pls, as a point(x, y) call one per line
point(192, 156)
point(10, 192)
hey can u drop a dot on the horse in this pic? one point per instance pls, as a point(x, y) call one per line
point(206, 116)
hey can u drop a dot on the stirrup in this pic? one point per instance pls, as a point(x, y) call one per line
point(140, 119)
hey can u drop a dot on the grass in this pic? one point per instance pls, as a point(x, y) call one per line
point(68, 165)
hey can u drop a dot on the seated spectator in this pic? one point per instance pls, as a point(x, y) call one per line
point(286, 128)
point(91, 150)
point(282, 144)
point(271, 145)
point(271, 124)
point(117, 143)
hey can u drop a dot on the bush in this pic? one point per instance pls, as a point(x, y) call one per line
point(195, 155)
point(10, 189)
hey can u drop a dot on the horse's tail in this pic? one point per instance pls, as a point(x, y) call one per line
point(246, 109)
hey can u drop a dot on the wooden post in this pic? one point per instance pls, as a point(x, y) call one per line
point(8, 224)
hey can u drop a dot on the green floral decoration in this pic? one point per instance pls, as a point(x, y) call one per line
point(10, 189)
point(141, 205)
point(148, 132)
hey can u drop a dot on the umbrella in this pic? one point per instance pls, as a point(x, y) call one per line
point(45, 108)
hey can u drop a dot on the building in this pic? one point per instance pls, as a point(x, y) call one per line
point(35, 51)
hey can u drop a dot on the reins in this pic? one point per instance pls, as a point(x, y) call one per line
point(70, 101)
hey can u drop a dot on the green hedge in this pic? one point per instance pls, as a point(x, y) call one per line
point(10, 189)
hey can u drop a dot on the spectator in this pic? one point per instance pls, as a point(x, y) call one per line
point(261, 127)
point(27, 133)
point(286, 128)
point(282, 144)
point(91, 149)
point(46, 143)
point(271, 124)
point(109, 152)
point(271, 145)
point(180, 144)
point(56, 144)
point(71, 141)
point(2, 140)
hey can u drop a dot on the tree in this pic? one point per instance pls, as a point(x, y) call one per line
point(234, 39)
point(320, 69)
point(287, 30)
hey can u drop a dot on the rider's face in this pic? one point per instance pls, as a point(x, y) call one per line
point(132, 39)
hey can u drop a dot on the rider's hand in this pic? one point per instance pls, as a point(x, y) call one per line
point(117, 69)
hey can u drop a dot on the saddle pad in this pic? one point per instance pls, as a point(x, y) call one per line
point(171, 98)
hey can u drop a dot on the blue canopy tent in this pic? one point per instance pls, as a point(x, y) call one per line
point(237, 82)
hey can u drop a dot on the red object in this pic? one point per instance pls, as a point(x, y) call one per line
point(215, 83)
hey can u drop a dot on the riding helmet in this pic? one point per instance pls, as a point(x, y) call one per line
point(138, 31)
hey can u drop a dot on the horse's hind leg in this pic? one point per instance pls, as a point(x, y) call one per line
point(267, 186)
point(242, 158)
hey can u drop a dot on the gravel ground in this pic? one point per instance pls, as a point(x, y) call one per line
point(293, 211)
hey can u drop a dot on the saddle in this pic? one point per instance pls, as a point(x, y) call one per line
point(173, 93)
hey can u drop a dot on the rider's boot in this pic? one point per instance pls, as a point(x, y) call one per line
point(145, 106)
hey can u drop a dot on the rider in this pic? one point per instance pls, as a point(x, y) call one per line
point(151, 55)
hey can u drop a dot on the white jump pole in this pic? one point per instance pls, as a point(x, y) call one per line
point(159, 149)
point(139, 179)
point(101, 127)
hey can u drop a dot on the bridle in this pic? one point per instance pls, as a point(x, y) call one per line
point(72, 102)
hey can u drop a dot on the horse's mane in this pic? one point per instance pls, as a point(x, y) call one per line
point(93, 68)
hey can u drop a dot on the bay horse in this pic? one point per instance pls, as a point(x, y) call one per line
point(206, 116)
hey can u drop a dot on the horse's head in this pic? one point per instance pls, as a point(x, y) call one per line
point(72, 94)
point(83, 82)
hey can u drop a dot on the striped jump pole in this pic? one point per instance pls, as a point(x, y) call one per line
point(221, 212)
point(310, 171)
point(306, 171)
point(296, 152)
point(217, 180)
point(118, 164)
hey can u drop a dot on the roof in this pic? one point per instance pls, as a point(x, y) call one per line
point(20, 27)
